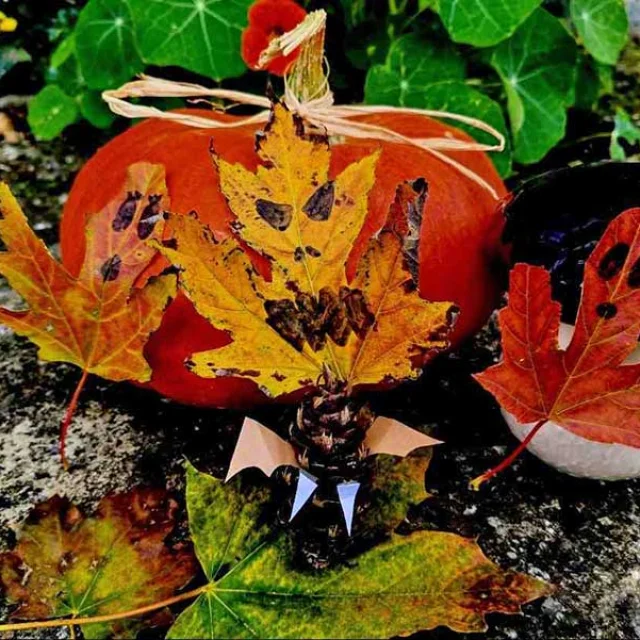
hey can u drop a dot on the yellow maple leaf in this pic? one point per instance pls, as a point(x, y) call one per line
point(225, 288)
point(285, 334)
point(290, 211)
point(97, 321)
point(405, 330)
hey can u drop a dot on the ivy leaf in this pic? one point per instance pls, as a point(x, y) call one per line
point(624, 130)
point(50, 112)
point(537, 66)
point(105, 44)
point(430, 579)
point(412, 65)
point(202, 36)
point(603, 26)
point(67, 565)
point(483, 23)
point(588, 388)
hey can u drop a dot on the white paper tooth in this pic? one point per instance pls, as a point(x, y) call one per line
point(347, 492)
point(307, 484)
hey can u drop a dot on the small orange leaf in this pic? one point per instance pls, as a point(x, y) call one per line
point(98, 321)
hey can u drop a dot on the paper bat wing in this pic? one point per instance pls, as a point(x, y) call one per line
point(390, 436)
point(260, 447)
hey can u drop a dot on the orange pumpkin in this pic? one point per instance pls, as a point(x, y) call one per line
point(459, 248)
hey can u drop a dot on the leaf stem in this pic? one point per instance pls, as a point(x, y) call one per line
point(68, 416)
point(65, 622)
point(476, 482)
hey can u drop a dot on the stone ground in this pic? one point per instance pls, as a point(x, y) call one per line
point(582, 536)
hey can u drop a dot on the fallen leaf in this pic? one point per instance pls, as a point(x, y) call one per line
point(287, 330)
point(429, 579)
point(290, 210)
point(98, 321)
point(67, 565)
point(587, 389)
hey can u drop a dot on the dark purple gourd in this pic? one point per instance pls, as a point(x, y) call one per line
point(556, 219)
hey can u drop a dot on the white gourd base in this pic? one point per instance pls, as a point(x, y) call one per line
point(574, 455)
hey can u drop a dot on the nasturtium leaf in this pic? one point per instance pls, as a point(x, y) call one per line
point(100, 321)
point(483, 23)
point(537, 66)
point(105, 44)
point(400, 587)
point(588, 388)
point(412, 65)
point(624, 130)
point(68, 566)
point(603, 26)
point(64, 68)
point(199, 35)
point(95, 110)
point(458, 97)
point(306, 317)
point(50, 112)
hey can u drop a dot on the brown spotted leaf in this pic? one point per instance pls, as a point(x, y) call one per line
point(290, 211)
point(97, 321)
point(402, 586)
point(66, 565)
point(224, 287)
point(306, 318)
point(588, 389)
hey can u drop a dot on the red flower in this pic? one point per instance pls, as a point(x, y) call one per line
point(269, 19)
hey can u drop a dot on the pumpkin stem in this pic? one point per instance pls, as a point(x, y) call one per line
point(306, 79)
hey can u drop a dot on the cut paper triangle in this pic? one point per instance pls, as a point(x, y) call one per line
point(347, 492)
point(390, 436)
point(304, 490)
point(260, 447)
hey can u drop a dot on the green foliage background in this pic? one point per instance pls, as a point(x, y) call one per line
point(519, 65)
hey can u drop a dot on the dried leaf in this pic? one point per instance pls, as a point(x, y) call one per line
point(66, 565)
point(97, 321)
point(290, 210)
point(288, 330)
point(587, 389)
point(430, 579)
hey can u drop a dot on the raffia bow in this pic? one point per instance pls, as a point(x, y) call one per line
point(311, 98)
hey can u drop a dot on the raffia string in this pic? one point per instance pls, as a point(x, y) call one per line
point(318, 109)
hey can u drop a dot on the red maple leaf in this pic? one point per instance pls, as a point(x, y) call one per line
point(587, 389)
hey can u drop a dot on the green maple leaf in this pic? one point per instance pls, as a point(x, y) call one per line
point(404, 585)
